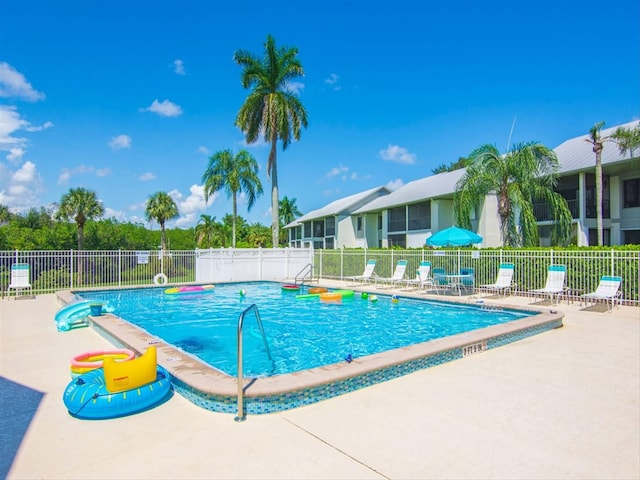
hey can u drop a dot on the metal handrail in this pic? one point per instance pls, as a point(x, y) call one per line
point(303, 273)
point(241, 415)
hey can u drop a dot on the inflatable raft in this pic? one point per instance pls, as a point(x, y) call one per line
point(118, 388)
point(190, 289)
point(331, 294)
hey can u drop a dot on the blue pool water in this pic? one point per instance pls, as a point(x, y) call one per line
point(302, 334)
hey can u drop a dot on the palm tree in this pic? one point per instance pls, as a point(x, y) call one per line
point(597, 142)
point(207, 230)
point(628, 139)
point(288, 212)
point(272, 110)
point(525, 174)
point(236, 174)
point(80, 205)
point(161, 207)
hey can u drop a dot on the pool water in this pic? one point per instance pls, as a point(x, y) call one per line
point(301, 334)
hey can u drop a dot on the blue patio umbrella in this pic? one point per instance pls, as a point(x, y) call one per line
point(453, 237)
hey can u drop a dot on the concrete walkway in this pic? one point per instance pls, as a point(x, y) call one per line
point(562, 404)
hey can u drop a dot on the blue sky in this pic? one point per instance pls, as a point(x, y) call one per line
point(127, 98)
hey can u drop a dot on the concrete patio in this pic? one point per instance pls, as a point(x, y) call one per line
point(562, 404)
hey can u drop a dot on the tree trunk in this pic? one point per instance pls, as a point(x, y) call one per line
point(235, 214)
point(599, 195)
point(275, 214)
point(163, 245)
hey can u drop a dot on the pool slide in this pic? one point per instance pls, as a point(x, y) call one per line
point(75, 314)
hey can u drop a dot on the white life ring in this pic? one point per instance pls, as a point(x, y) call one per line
point(160, 279)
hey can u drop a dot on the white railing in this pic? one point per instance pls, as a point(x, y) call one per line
point(584, 266)
point(51, 271)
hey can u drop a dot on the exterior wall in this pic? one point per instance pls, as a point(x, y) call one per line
point(489, 222)
point(346, 232)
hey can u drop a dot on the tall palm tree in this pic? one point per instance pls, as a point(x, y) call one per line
point(206, 230)
point(289, 211)
point(236, 174)
point(161, 207)
point(597, 142)
point(80, 205)
point(524, 175)
point(272, 110)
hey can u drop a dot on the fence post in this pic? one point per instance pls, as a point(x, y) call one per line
point(119, 267)
point(613, 263)
point(71, 266)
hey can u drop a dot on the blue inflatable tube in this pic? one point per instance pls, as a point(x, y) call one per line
point(87, 396)
point(76, 313)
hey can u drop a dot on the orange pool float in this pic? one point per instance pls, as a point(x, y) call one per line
point(317, 290)
point(331, 297)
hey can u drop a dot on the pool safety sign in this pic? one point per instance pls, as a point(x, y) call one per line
point(143, 257)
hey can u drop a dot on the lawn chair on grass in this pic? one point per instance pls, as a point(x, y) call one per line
point(556, 275)
point(608, 290)
point(398, 274)
point(367, 275)
point(504, 282)
point(20, 278)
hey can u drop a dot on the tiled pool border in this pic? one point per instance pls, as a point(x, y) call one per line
point(217, 392)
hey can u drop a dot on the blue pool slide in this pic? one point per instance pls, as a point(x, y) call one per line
point(75, 314)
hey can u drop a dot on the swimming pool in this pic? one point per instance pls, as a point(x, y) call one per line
point(301, 333)
point(212, 389)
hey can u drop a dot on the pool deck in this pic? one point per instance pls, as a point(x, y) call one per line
point(561, 404)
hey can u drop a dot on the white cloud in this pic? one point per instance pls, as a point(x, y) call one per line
point(394, 184)
point(19, 189)
point(11, 122)
point(178, 66)
point(15, 154)
point(165, 108)
point(204, 150)
point(145, 177)
point(44, 126)
point(120, 141)
point(14, 85)
point(397, 154)
point(335, 171)
point(295, 87)
point(333, 81)
point(67, 173)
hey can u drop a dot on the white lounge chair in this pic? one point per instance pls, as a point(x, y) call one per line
point(608, 289)
point(398, 274)
point(423, 277)
point(504, 281)
point(556, 275)
point(367, 275)
point(20, 278)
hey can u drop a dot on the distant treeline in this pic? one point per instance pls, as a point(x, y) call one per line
point(36, 230)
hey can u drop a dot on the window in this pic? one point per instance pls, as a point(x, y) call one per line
point(397, 219)
point(593, 236)
point(328, 242)
point(420, 216)
point(318, 244)
point(398, 241)
point(330, 225)
point(380, 222)
point(307, 229)
point(632, 193)
point(318, 228)
point(359, 224)
point(631, 237)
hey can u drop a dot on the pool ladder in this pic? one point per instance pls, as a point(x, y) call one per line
point(241, 415)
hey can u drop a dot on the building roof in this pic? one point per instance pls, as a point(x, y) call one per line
point(343, 205)
point(419, 190)
point(576, 154)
